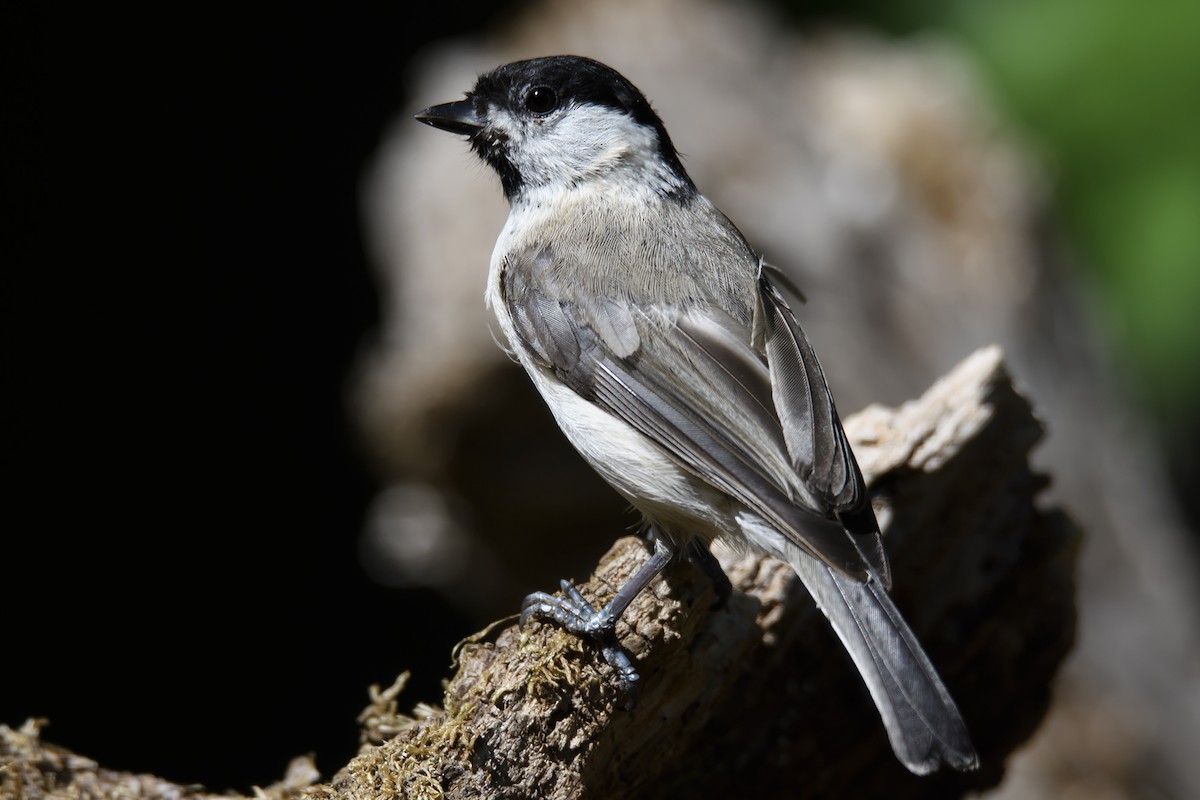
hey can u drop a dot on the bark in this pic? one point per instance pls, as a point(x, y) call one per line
point(755, 698)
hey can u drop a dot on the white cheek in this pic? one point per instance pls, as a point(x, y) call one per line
point(583, 141)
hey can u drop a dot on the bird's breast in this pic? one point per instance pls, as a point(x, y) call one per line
point(627, 246)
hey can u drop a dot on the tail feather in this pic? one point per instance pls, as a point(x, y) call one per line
point(923, 724)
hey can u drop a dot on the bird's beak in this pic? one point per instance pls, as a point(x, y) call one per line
point(458, 117)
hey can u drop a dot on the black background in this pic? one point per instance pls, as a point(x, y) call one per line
point(184, 294)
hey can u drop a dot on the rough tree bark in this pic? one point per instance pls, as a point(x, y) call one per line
point(756, 698)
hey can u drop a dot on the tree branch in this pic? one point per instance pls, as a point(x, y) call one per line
point(757, 698)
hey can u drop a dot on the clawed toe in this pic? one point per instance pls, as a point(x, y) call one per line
point(576, 615)
point(572, 612)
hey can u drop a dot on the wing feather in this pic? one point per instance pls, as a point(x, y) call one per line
point(690, 380)
point(812, 429)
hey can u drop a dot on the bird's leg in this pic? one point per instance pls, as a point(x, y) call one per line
point(578, 616)
point(698, 553)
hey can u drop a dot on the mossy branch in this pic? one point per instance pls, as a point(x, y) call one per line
point(756, 698)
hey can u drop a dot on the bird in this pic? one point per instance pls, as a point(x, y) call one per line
point(668, 354)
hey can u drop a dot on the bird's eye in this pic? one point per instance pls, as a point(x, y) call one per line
point(541, 100)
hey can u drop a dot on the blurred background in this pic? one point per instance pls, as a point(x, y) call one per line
point(262, 448)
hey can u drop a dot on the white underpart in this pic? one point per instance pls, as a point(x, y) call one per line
point(674, 501)
point(621, 455)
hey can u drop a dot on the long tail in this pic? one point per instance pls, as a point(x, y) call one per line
point(922, 721)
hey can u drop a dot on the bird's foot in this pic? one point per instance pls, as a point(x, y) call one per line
point(576, 615)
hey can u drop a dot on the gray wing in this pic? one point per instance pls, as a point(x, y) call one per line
point(756, 423)
point(811, 427)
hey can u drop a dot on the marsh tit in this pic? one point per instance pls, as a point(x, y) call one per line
point(676, 368)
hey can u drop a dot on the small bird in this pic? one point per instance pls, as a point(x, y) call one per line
point(675, 366)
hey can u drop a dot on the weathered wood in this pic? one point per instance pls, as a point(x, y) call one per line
point(757, 698)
